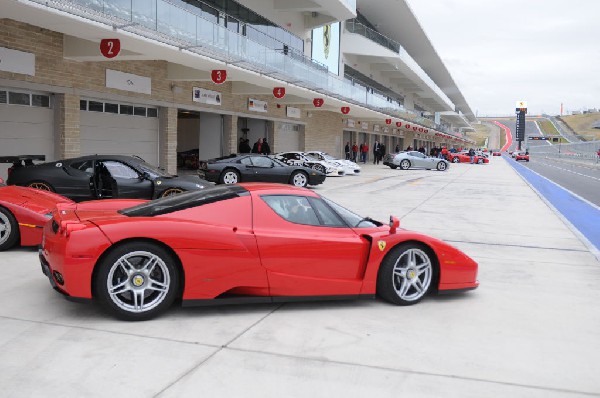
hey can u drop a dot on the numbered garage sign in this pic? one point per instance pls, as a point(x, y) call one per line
point(345, 110)
point(218, 76)
point(318, 102)
point(110, 48)
point(279, 92)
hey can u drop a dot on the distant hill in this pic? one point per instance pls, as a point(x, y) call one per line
point(583, 125)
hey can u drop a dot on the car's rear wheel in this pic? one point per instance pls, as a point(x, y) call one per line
point(406, 274)
point(299, 179)
point(230, 176)
point(137, 281)
point(405, 164)
point(171, 192)
point(41, 185)
point(319, 167)
point(9, 229)
point(479, 161)
point(441, 166)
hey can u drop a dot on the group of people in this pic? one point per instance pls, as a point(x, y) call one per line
point(260, 146)
point(352, 152)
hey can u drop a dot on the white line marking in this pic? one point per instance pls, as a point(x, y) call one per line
point(570, 171)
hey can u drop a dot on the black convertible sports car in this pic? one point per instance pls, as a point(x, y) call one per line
point(101, 177)
point(252, 167)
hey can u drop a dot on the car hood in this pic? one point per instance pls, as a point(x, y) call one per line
point(36, 200)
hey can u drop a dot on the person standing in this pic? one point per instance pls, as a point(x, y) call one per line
point(381, 152)
point(472, 155)
point(257, 148)
point(363, 152)
point(266, 149)
point(397, 148)
point(376, 152)
point(354, 152)
point(347, 150)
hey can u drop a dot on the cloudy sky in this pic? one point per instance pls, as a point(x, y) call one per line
point(545, 52)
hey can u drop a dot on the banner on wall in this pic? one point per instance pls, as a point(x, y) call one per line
point(257, 105)
point(376, 128)
point(326, 46)
point(350, 123)
point(204, 96)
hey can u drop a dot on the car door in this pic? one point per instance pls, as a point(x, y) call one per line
point(80, 184)
point(306, 248)
point(264, 169)
point(126, 182)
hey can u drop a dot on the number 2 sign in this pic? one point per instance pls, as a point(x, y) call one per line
point(110, 48)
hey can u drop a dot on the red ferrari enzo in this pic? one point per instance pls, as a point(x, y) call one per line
point(465, 158)
point(522, 156)
point(23, 213)
point(238, 244)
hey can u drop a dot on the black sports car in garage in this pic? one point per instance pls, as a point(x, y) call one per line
point(101, 177)
point(252, 167)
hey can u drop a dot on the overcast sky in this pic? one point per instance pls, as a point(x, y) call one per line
point(545, 52)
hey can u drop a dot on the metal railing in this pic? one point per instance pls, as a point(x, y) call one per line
point(356, 27)
point(178, 24)
point(583, 152)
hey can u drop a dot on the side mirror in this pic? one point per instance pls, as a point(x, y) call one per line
point(394, 224)
point(145, 176)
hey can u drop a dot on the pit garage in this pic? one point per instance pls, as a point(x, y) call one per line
point(26, 125)
point(119, 129)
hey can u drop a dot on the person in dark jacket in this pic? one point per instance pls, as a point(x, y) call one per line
point(347, 150)
point(266, 149)
point(258, 146)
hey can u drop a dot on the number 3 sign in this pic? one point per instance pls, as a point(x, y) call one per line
point(218, 76)
point(110, 48)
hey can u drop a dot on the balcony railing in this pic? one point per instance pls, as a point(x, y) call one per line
point(177, 24)
point(358, 28)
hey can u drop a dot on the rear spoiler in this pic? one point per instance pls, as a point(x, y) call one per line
point(20, 158)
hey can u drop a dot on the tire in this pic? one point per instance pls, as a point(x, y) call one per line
point(9, 229)
point(134, 271)
point(479, 161)
point(403, 283)
point(319, 167)
point(230, 176)
point(299, 179)
point(405, 164)
point(441, 166)
point(171, 192)
point(455, 160)
point(41, 185)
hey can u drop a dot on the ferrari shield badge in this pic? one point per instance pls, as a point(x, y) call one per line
point(381, 245)
point(158, 182)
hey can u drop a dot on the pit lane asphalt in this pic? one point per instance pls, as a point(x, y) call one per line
point(530, 330)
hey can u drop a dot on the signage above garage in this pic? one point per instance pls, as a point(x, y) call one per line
point(206, 96)
point(257, 105)
point(17, 61)
point(128, 82)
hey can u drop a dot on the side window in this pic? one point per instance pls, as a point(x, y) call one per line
point(86, 166)
point(294, 209)
point(246, 161)
point(120, 170)
point(260, 161)
point(326, 215)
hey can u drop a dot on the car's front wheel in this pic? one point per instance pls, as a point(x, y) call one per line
point(299, 179)
point(230, 176)
point(405, 164)
point(441, 166)
point(9, 229)
point(406, 274)
point(137, 281)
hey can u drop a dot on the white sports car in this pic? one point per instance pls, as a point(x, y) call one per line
point(349, 166)
point(414, 159)
point(303, 159)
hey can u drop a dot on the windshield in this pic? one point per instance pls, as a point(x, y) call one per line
point(311, 157)
point(328, 157)
point(279, 162)
point(153, 171)
point(354, 220)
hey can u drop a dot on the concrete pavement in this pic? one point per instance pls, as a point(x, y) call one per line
point(530, 330)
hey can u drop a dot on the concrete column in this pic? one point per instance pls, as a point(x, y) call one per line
point(67, 121)
point(409, 101)
point(230, 134)
point(167, 137)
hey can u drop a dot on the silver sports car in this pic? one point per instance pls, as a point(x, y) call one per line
point(414, 159)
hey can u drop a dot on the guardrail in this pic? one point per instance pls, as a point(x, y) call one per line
point(584, 152)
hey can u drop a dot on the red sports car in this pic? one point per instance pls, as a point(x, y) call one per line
point(23, 213)
point(238, 244)
point(465, 158)
point(496, 153)
point(522, 156)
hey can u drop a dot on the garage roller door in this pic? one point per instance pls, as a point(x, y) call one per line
point(290, 138)
point(119, 134)
point(25, 130)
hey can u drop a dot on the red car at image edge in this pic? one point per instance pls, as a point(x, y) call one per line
point(23, 214)
point(243, 243)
